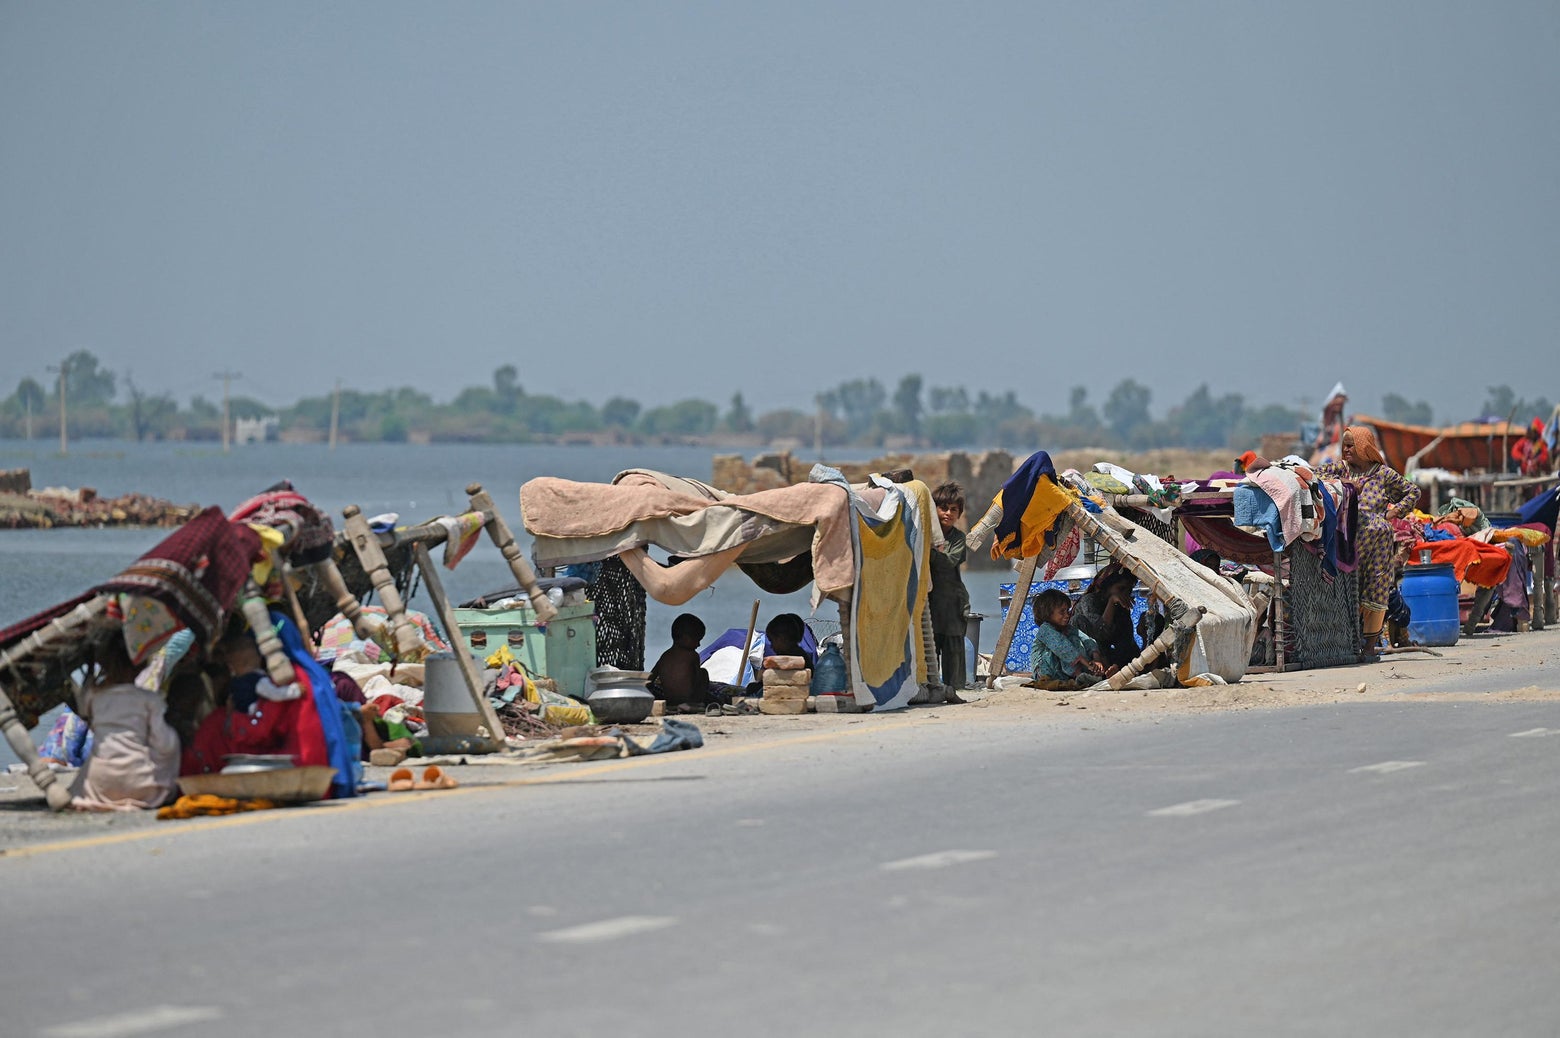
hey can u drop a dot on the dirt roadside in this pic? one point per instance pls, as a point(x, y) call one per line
point(1483, 669)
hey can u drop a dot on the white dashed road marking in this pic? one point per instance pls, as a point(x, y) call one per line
point(609, 929)
point(939, 860)
point(1533, 732)
point(1191, 807)
point(1386, 766)
point(135, 1021)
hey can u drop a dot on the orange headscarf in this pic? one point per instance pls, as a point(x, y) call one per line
point(1365, 448)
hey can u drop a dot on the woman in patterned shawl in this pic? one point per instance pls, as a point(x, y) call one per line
point(1384, 495)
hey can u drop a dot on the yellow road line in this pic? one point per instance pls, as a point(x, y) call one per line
point(394, 800)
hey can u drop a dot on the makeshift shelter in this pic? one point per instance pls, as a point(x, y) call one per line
point(1210, 621)
point(213, 565)
point(866, 547)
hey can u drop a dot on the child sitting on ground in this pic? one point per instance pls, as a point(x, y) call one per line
point(784, 635)
point(679, 676)
point(1063, 654)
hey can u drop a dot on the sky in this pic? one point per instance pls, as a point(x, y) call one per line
point(670, 200)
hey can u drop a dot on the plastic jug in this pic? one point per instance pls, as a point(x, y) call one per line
point(829, 673)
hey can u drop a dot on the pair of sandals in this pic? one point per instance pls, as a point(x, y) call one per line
point(741, 706)
point(433, 777)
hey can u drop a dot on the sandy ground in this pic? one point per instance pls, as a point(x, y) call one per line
point(1498, 668)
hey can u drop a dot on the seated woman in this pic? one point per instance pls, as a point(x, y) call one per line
point(1104, 613)
point(135, 753)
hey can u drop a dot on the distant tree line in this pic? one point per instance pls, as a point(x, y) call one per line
point(859, 412)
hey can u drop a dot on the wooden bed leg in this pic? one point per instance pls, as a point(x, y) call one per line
point(347, 603)
point(253, 605)
point(365, 542)
point(54, 791)
point(498, 531)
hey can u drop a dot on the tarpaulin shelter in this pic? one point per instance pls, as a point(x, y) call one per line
point(866, 547)
point(1211, 622)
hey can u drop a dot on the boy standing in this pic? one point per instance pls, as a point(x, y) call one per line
point(949, 600)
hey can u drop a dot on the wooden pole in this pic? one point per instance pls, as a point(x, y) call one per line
point(347, 603)
point(499, 532)
point(747, 645)
point(1019, 602)
point(365, 542)
point(468, 667)
point(297, 608)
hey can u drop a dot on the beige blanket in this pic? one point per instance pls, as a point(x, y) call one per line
point(583, 522)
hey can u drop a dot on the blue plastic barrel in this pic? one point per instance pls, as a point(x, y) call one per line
point(1431, 594)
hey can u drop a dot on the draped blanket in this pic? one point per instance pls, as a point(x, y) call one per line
point(868, 545)
point(586, 522)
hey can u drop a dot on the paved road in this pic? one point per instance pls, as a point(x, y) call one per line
point(1382, 869)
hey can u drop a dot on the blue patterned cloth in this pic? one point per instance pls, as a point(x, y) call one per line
point(1021, 651)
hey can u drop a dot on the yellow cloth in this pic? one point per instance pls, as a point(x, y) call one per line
point(1531, 538)
point(271, 541)
point(1045, 506)
point(209, 804)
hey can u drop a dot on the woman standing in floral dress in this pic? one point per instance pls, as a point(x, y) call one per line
point(1384, 495)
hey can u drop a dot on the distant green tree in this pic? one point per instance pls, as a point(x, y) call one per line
point(478, 399)
point(907, 404)
point(393, 429)
point(507, 392)
point(620, 413)
point(739, 419)
point(948, 430)
point(1202, 421)
point(202, 408)
point(549, 415)
point(684, 418)
point(1126, 409)
point(248, 407)
point(1395, 408)
point(948, 400)
point(29, 395)
point(85, 383)
point(1503, 402)
point(787, 424)
point(1081, 415)
point(856, 404)
point(1270, 418)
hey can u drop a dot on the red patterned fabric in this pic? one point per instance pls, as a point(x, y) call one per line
point(196, 572)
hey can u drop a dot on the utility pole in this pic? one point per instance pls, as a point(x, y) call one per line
point(29, 418)
point(335, 413)
point(63, 369)
point(227, 424)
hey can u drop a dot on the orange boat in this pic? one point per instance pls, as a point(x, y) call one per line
point(1462, 447)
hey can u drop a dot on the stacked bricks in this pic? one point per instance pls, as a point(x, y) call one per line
point(786, 681)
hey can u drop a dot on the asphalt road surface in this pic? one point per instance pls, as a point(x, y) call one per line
point(1374, 868)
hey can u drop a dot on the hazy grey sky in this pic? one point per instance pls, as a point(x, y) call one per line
point(665, 199)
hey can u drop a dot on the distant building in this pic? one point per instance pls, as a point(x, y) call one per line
point(255, 430)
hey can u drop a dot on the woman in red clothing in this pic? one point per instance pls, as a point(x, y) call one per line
point(1531, 453)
